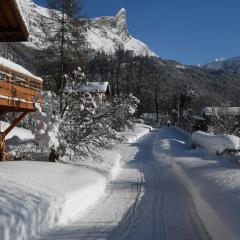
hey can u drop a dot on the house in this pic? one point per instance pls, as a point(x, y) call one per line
point(19, 89)
point(211, 112)
point(101, 88)
point(12, 25)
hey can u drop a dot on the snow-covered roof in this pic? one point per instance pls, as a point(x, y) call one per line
point(13, 24)
point(18, 4)
point(215, 111)
point(17, 68)
point(197, 117)
point(92, 87)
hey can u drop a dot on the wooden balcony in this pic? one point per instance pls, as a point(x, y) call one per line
point(18, 92)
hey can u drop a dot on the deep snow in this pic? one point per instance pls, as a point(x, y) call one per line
point(37, 195)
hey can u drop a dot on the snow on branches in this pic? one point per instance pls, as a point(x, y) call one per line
point(122, 110)
point(87, 122)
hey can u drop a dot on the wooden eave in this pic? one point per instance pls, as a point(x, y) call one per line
point(12, 24)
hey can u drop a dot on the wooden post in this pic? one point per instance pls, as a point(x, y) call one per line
point(15, 122)
point(3, 148)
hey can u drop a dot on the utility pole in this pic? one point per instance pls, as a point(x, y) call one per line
point(178, 111)
point(62, 56)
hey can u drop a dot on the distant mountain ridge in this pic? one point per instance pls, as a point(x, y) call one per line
point(220, 64)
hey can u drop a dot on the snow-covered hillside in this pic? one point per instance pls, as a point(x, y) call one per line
point(104, 33)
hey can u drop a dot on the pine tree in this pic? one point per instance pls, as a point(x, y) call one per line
point(65, 30)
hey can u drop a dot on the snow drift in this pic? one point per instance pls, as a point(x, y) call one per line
point(215, 144)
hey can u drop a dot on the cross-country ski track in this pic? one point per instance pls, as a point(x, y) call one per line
point(147, 201)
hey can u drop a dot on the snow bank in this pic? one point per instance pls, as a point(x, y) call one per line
point(215, 143)
point(213, 183)
point(211, 218)
point(108, 163)
point(36, 196)
point(137, 131)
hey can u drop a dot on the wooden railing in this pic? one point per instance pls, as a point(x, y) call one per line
point(18, 91)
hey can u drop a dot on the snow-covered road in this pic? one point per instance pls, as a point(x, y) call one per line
point(146, 201)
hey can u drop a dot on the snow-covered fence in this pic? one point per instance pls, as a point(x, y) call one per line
point(216, 144)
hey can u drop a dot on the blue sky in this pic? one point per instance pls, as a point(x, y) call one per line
point(189, 31)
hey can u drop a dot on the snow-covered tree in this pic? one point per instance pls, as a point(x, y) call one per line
point(65, 30)
point(50, 103)
point(121, 111)
point(87, 122)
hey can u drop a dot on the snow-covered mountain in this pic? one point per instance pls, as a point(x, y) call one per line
point(231, 64)
point(104, 33)
point(107, 33)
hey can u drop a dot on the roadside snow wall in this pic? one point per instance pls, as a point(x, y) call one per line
point(215, 144)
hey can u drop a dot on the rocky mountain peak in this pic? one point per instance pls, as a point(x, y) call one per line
point(121, 22)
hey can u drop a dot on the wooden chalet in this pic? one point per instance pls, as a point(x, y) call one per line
point(100, 88)
point(19, 89)
point(12, 25)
